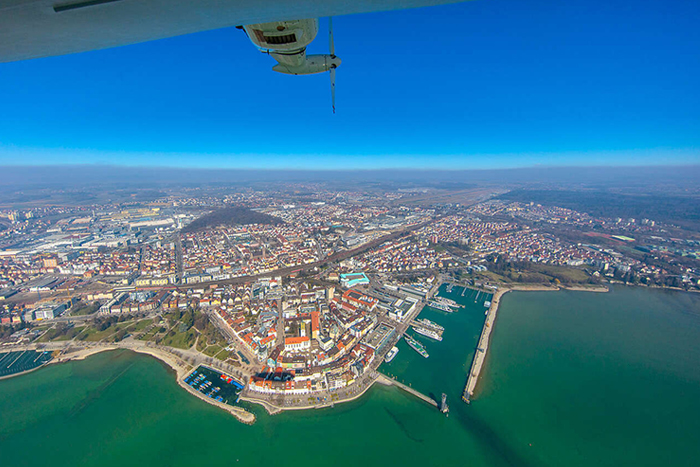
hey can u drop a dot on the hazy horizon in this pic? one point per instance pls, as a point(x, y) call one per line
point(678, 178)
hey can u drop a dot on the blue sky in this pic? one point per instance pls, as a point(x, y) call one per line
point(481, 84)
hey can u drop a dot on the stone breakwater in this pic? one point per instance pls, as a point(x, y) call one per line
point(482, 346)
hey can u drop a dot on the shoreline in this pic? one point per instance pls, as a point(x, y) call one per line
point(173, 362)
point(275, 409)
point(182, 369)
point(553, 288)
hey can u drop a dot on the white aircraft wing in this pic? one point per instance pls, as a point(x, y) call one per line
point(43, 28)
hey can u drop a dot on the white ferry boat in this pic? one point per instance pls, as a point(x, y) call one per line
point(415, 345)
point(440, 306)
point(426, 323)
point(448, 302)
point(391, 354)
point(427, 333)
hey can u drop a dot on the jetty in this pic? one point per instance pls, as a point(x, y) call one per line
point(482, 347)
point(386, 380)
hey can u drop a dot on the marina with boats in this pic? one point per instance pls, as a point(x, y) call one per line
point(215, 385)
point(12, 363)
point(461, 298)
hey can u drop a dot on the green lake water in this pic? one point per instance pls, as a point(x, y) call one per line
point(572, 378)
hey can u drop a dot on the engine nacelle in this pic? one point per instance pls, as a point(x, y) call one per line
point(286, 42)
point(283, 36)
point(312, 64)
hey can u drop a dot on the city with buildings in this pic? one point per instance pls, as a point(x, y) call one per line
point(312, 303)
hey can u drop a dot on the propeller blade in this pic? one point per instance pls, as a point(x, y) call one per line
point(331, 43)
point(332, 70)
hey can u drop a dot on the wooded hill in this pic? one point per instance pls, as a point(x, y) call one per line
point(231, 216)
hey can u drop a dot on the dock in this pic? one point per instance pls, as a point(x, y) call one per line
point(482, 347)
point(383, 379)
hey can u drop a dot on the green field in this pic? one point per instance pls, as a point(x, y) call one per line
point(180, 340)
point(139, 325)
point(534, 273)
point(212, 350)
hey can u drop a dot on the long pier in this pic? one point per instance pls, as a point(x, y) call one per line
point(482, 347)
point(383, 379)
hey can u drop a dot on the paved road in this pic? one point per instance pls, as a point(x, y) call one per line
point(233, 339)
point(178, 256)
point(280, 323)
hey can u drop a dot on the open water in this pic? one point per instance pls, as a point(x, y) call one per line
point(572, 378)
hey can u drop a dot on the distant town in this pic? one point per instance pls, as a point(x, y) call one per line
point(299, 299)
